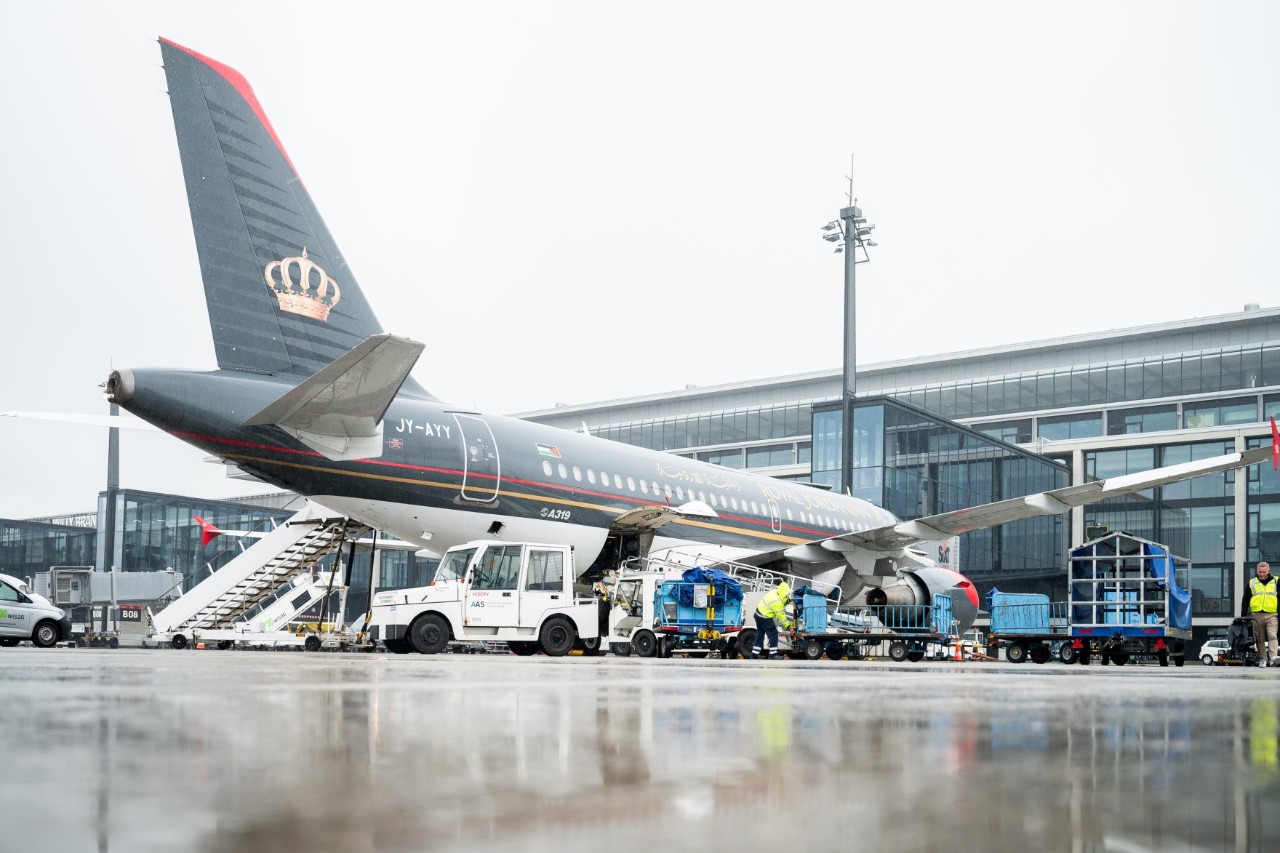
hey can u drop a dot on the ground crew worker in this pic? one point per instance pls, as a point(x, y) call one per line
point(1259, 601)
point(771, 612)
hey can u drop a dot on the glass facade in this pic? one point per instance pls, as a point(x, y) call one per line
point(28, 547)
point(1178, 375)
point(914, 464)
point(788, 420)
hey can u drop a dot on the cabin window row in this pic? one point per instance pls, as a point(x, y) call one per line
point(679, 494)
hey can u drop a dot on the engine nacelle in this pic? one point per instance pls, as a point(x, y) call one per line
point(919, 585)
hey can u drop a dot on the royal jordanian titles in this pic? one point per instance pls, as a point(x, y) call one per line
point(313, 395)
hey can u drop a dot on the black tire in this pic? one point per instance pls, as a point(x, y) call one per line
point(9, 642)
point(311, 643)
point(1066, 653)
point(178, 641)
point(1206, 660)
point(1162, 655)
point(523, 649)
point(746, 641)
point(1179, 660)
point(897, 651)
point(1082, 657)
point(644, 644)
point(1015, 653)
point(398, 647)
point(834, 651)
point(45, 635)
point(1119, 658)
point(557, 637)
point(812, 650)
point(592, 647)
point(1040, 653)
point(429, 634)
point(622, 650)
point(915, 657)
point(224, 644)
point(665, 647)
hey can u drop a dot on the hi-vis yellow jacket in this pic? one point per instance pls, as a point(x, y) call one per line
point(1263, 596)
point(774, 605)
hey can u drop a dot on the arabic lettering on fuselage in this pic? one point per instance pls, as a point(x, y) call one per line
point(710, 479)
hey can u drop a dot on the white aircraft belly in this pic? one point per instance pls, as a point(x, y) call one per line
point(438, 529)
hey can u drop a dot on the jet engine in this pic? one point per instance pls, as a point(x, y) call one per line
point(918, 585)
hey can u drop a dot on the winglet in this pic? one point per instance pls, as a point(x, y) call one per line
point(1275, 445)
point(208, 532)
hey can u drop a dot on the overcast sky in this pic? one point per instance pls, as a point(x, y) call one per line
point(575, 202)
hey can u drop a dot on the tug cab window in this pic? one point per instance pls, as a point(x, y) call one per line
point(499, 568)
point(546, 571)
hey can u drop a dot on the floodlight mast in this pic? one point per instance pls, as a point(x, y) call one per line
point(852, 229)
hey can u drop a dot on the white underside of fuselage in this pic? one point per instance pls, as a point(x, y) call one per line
point(437, 529)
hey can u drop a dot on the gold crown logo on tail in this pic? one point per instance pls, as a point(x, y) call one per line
point(302, 286)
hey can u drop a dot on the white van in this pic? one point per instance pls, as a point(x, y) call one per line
point(26, 615)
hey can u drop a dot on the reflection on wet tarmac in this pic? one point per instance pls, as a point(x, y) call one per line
point(140, 750)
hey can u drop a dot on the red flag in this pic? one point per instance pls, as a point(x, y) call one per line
point(1275, 446)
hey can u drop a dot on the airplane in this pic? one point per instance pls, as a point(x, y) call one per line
point(312, 395)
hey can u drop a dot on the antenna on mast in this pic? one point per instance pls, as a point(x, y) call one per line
point(852, 200)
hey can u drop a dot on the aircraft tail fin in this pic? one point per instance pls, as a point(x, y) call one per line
point(281, 298)
point(208, 532)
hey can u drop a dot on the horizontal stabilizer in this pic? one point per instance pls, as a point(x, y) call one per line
point(338, 411)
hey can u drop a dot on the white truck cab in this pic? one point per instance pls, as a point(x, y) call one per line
point(27, 615)
point(519, 593)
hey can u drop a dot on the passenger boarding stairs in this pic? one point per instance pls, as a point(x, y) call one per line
point(244, 587)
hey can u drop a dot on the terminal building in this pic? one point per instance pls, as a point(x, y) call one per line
point(931, 434)
point(938, 433)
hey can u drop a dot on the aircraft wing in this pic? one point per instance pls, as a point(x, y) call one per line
point(338, 411)
point(945, 525)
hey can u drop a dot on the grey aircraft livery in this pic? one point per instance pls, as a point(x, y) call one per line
point(313, 396)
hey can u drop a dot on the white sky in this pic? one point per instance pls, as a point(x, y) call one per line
point(585, 201)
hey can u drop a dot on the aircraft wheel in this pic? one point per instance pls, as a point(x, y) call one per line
point(812, 650)
point(1066, 653)
point(429, 634)
point(523, 649)
point(746, 641)
point(311, 643)
point(178, 641)
point(897, 651)
point(644, 643)
point(1040, 654)
point(557, 637)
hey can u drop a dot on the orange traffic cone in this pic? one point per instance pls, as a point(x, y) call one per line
point(958, 645)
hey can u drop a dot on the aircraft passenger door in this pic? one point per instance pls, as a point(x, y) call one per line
point(481, 469)
point(774, 519)
point(493, 597)
point(544, 587)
